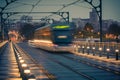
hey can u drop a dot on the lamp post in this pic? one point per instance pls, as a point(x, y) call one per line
point(93, 50)
point(100, 54)
point(117, 53)
point(108, 50)
point(83, 49)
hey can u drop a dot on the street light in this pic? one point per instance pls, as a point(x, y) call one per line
point(116, 52)
point(83, 49)
point(93, 50)
point(88, 49)
point(100, 49)
point(108, 50)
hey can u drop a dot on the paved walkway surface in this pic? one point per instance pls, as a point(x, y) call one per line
point(8, 65)
point(110, 60)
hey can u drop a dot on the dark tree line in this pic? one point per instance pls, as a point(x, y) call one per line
point(27, 30)
point(114, 29)
point(88, 27)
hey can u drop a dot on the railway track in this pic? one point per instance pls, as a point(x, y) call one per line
point(70, 63)
point(114, 68)
point(67, 68)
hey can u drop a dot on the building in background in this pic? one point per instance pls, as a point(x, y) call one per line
point(94, 21)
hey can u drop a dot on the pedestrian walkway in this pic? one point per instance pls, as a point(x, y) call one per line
point(96, 57)
point(8, 65)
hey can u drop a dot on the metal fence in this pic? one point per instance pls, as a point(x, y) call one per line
point(101, 49)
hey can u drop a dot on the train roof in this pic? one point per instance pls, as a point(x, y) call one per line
point(57, 26)
point(43, 27)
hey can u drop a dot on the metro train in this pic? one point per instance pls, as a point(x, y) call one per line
point(54, 37)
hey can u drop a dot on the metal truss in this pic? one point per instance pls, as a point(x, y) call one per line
point(7, 2)
point(98, 9)
point(64, 15)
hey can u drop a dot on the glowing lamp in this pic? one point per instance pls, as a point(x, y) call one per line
point(24, 65)
point(116, 50)
point(20, 58)
point(108, 49)
point(21, 61)
point(93, 48)
point(100, 49)
point(88, 47)
point(27, 71)
point(83, 47)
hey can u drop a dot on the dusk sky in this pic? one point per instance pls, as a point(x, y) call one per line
point(80, 9)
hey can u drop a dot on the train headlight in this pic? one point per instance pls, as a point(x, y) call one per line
point(55, 45)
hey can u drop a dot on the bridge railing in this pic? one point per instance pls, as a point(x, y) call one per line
point(101, 49)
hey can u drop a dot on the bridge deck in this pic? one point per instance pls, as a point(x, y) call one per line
point(8, 65)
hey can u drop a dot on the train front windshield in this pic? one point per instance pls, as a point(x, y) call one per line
point(62, 34)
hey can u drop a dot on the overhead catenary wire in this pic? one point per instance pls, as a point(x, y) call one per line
point(14, 7)
point(23, 3)
point(64, 6)
point(33, 6)
point(36, 4)
point(19, 2)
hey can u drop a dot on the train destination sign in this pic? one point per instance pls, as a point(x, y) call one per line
point(61, 27)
